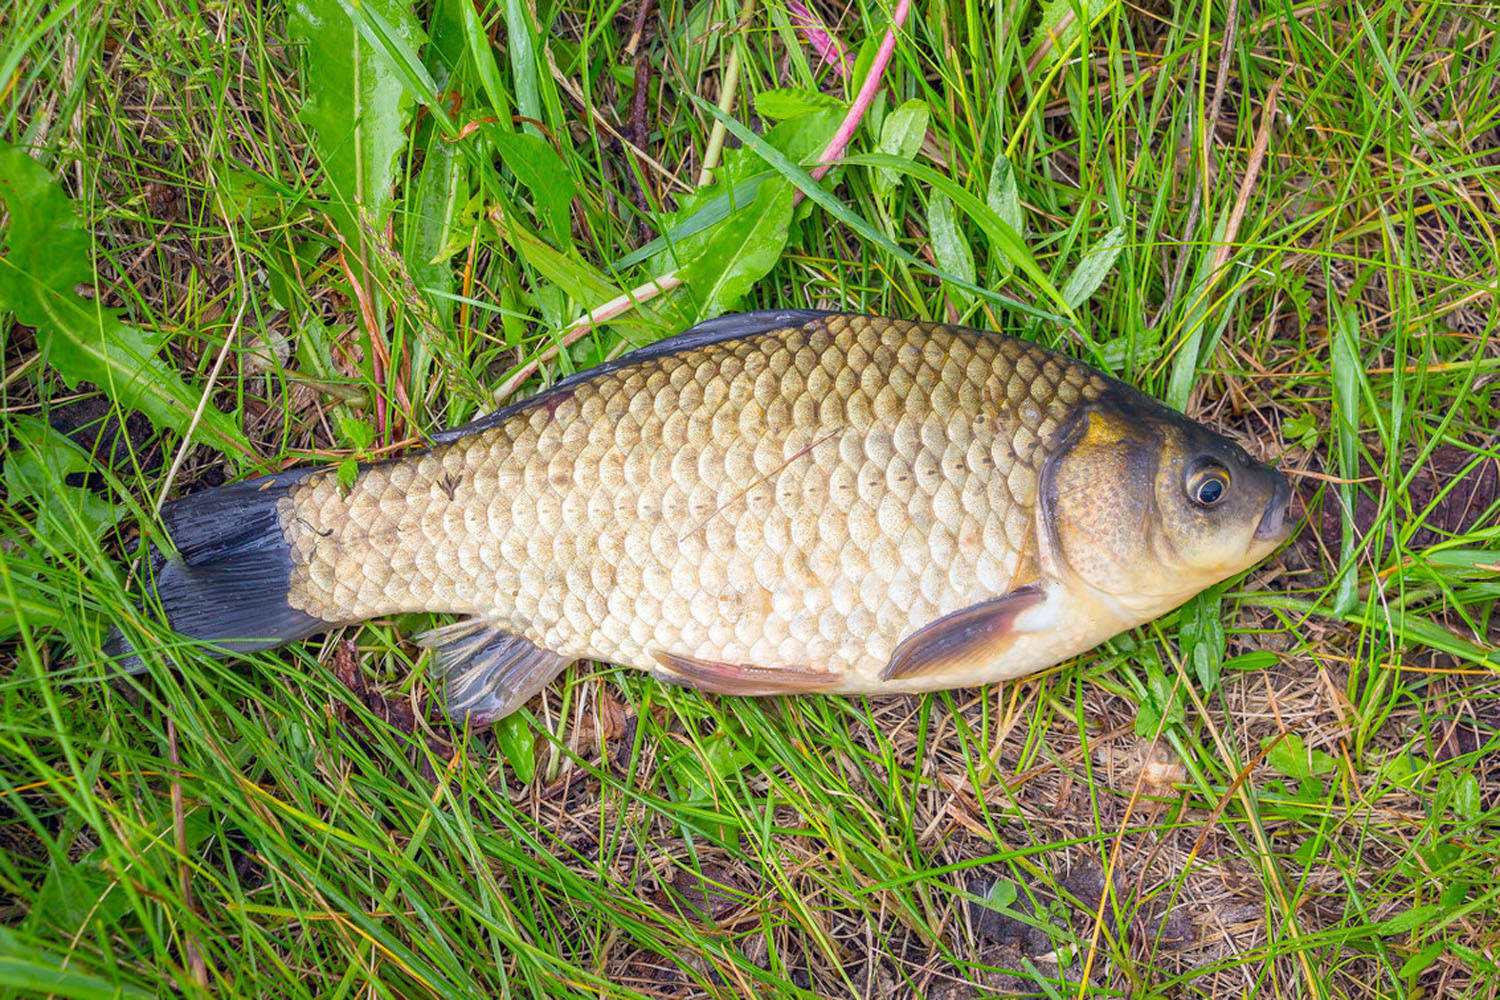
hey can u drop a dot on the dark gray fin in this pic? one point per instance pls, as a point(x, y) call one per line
point(488, 672)
point(228, 582)
point(959, 639)
point(713, 331)
point(733, 678)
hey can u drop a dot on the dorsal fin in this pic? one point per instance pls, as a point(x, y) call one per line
point(713, 331)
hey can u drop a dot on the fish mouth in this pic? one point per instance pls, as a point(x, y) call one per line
point(1273, 526)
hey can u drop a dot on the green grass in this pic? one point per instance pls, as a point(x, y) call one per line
point(1288, 788)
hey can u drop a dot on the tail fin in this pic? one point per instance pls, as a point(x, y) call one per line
point(228, 582)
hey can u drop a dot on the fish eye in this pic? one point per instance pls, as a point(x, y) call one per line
point(1207, 484)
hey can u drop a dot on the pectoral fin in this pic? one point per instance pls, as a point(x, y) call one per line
point(967, 637)
point(488, 672)
point(733, 678)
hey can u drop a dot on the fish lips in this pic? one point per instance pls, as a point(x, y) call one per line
point(1274, 526)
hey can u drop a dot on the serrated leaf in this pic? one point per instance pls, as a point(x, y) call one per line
point(48, 256)
point(1093, 268)
point(359, 434)
point(357, 107)
point(743, 250)
point(793, 102)
point(901, 135)
point(949, 246)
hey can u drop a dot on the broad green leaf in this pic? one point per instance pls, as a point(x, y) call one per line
point(1203, 317)
point(1409, 920)
point(738, 186)
point(1091, 270)
point(37, 465)
point(518, 742)
point(818, 194)
point(1001, 236)
point(27, 968)
point(1418, 962)
point(537, 166)
point(697, 215)
point(1347, 373)
point(950, 247)
point(48, 255)
point(901, 135)
point(1292, 758)
point(1202, 636)
point(249, 196)
point(521, 45)
point(1256, 659)
point(1163, 704)
point(1002, 196)
point(483, 55)
point(447, 31)
point(1060, 27)
point(1004, 200)
point(1466, 799)
point(442, 199)
point(582, 283)
point(793, 102)
point(742, 251)
point(1000, 895)
point(357, 108)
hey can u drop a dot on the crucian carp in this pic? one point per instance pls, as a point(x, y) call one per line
point(774, 502)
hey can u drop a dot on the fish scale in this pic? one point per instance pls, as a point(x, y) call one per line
point(768, 503)
point(801, 500)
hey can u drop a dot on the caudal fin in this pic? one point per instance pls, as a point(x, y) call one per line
point(228, 582)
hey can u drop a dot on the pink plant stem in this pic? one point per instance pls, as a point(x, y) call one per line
point(863, 99)
point(824, 42)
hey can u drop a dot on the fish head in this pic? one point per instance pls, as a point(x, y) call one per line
point(1147, 507)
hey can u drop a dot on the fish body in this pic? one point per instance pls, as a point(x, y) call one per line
point(774, 502)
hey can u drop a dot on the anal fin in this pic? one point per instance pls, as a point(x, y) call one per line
point(733, 678)
point(964, 638)
point(488, 671)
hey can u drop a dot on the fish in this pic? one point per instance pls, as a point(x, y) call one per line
point(781, 502)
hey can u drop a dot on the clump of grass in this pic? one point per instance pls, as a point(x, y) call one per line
point(1281, 220)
